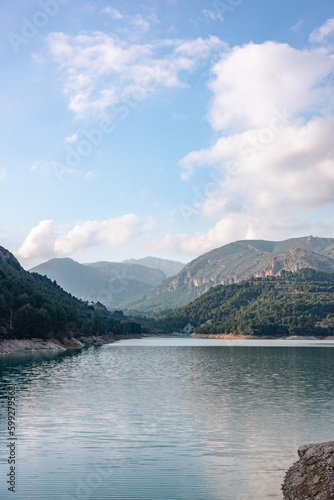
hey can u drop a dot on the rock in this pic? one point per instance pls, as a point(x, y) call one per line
point(312, 477)
point(13, 345)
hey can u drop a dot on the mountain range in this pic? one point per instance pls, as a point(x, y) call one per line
point(107, 282)
point(37, 304)
point(234, 263)
point(32, 306)
point(169, 267)
point(293, 303)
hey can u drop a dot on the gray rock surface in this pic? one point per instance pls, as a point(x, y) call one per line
point(16, 345)
point(312, 477)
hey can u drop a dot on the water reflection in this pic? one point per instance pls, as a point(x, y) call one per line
point(169, 422)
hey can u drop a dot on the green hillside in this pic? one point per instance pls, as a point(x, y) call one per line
point(300, 303)
point(234, 263)
point(33, 306)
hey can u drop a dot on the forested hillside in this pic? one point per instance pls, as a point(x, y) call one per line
point(300, 303)
point(234, 263)
point(31, 305)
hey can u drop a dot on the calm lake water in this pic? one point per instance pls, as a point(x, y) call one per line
point(165, 419)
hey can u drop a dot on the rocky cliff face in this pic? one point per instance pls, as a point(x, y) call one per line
point(312, 477)
point(234, 263)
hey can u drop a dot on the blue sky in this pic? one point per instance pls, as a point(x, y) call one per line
point(164, 128)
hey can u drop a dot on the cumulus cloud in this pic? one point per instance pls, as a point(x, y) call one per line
point(100, 70)
point(233, 227)
point(45, 241)
point(320, 35)
point(249, 83)
point(272, 110)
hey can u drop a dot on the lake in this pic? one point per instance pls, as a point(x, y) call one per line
point(165, 418)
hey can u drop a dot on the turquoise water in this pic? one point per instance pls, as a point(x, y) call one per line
point(163, 419)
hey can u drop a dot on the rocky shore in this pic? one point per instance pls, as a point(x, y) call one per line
point(36, 344)
point(312, 477)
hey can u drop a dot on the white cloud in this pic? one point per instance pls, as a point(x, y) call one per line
point(143, 25)
point(296, 28)
point(320, 35)
point(44, 241)
point(233, 228)
point(272, 108)
point(140, 23)
point(258, 90)
point(200, 47)
point(212, 15)
point(251, 82)
point(71, 138)
point(3, 174)
point(100, 70)
point(114, 13)
point(198, 243)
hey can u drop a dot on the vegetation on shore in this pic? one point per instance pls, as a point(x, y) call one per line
point(293, 303)
point(233, 263)
point(31, 305)
point(299, 303)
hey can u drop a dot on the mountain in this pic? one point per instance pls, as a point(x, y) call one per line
point(33, 306)
point(233, 263)
point(169, 267)
point(106, 282)
point(300, 303)
point(9, 263)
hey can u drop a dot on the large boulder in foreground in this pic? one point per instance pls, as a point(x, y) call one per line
point(312, 477)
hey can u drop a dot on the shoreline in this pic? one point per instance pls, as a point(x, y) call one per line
point(232, 336)
point(8, 346)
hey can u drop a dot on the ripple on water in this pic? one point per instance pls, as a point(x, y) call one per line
point(183, 420)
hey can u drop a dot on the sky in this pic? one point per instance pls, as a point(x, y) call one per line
point(163, 127)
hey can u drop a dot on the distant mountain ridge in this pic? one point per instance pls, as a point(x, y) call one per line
point(107, 282)
point(233, 263)
point(169, 267)
point(32, 306)
point(294, 303)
